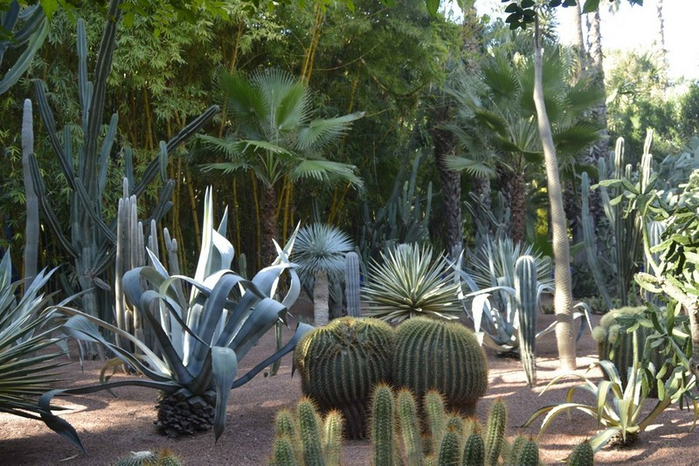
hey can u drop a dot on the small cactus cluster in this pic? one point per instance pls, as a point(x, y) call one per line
point(400, 436)
point(164, 457)
point(306, 438)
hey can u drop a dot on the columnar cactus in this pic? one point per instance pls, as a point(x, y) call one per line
point(306, 439)
point(526, 285)
point(474, 449)
point(529, 456)
point(352, 284)
point(583, 455)
point(409, 426)
point(495, 431)
point(341, 363)
point(382, 426)
point(440, 355)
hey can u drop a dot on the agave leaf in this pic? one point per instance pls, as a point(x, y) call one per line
point(64, 428)
point(301, 330)
point(224, 364)
point(82, 326)
point(265, 315)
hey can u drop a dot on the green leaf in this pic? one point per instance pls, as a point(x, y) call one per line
point(432, 7)
point(590, 6)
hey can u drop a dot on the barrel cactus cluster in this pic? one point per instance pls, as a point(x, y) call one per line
point(341, 364)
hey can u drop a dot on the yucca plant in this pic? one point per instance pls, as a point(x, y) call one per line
point(320, 254)
point(25, 330)
point(200, 340)
point(409, 283)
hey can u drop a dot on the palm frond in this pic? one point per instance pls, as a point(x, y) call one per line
point(320, 132)
point(471, 167)
point(326, 171)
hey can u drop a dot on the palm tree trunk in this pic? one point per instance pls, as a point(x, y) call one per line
point(565, 335)
point(270, 230)
point(445, 144)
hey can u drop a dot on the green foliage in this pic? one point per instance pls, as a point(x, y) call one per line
point(85, 168)
point(624, 337)
point(30, 36)
point(199, 340)
point(27, 329)
point(409, 283)
point(307, 438)
point(441, 355)
point(340, 364)
point(618, 408)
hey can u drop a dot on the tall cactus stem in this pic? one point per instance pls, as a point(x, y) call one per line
point(332, 438)
point(409, 426)
point(31, 230)
point(352, 284)
point(526, 284)
point(309, 433)
point(450, 449)
point(382, 424)
point(495, 431)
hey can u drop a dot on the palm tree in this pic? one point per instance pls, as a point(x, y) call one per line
point(277, 139)
point(500, 104)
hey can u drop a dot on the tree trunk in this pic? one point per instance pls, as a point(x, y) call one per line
point(565, 335)
point(517, 187)
point(445, 144)
point(270, 230)
point(320, 299)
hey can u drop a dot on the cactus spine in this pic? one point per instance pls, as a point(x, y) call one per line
point(352, 284)
point(340, 364)
point(440, 355)
point(526, 285)
point(332, 438)
point(495, 432)
point(283, 452)
point(583, 455)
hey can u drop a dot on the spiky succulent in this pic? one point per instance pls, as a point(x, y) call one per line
point(409, 284)
point(200, 339)
point(321, 248)
point(25, 330)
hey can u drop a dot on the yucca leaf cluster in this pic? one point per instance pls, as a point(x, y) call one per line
point(26, 330)
point(408, 283)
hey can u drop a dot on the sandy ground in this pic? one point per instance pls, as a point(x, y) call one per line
point(112, 427)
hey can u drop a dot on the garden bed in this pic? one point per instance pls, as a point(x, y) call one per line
point(112, 427)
